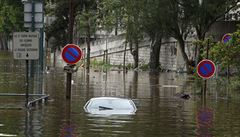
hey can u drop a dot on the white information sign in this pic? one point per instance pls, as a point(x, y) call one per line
point(26, 45)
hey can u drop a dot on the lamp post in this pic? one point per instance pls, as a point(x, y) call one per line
point(33, 20)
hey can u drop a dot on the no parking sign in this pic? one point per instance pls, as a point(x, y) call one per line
point(71, 53)
point(206, 68)
point(227, 38)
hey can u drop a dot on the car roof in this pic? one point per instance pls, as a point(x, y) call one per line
point(90, 110)
point(106, 98)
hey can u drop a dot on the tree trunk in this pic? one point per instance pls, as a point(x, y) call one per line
point(155, 47)
point(116, 24)
point(135, 53)
point(6, 43)
point(54, 58)
point(124, 56)
point(135, 85)
point(1, 43)
point(201, 37)
point(185, 57)
point(70, 22)
point(88, 46)
point(106, 51)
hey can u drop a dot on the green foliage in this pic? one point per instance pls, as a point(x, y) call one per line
point(100, 64)
point(206, 14)
point(5, 55)
point(235, 84)
point(178, 18)
point(87, 19)
point(228, 54)
point(144, 67)
point(112, 14)
point(95, 63)
point(129, 66)
point(11, 16)
point(11, 20)
point(204, 44)
point(138, 18)
point(58, 30)
point(223, 54)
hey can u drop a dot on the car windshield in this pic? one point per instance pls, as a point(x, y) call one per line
point(110, 104)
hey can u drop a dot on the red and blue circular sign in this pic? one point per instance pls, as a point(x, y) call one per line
point(71, 53)
point(206, 68)
point(227, 38)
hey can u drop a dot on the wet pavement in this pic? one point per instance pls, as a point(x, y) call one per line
point(161, 112)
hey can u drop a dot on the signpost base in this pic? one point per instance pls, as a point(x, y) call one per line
point(68, 85)
point(27, 84)
point(69, 69)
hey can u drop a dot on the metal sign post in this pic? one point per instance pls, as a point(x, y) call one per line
point(33, 19)
point(205, 69)
point(227, 39)
point(71, 54)
point(27, 85)
point(26, 47)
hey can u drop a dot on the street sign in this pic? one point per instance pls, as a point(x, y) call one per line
point(227, 38)
point(71, 53)
point(26, 45)
point(206, 68)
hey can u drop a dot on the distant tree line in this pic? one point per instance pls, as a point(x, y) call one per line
point(155, 19)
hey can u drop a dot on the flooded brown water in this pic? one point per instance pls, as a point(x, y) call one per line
point(161, 113)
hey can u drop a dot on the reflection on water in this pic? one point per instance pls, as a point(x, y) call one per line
point(160, 111)
point(7, 135)
point(204, 122)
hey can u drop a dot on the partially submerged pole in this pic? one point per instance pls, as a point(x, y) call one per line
point(205, 81)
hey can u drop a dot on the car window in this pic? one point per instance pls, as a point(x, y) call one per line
point(111, 103)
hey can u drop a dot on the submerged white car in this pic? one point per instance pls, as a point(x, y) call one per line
point(110, 106)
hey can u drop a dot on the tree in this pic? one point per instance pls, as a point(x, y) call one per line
point(113, 16)
point(134, 26)
point(11, 20)
point(62, 28)
point(227, 54)
point(209, 12)
point(125, 15)
point(179, 25)
point(58, 29)
point(112, 13)
point(87, 22)
point(154, 26)
point(205, 14)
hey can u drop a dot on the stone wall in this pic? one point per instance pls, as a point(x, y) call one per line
point(170, 56)
point(218, 29)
